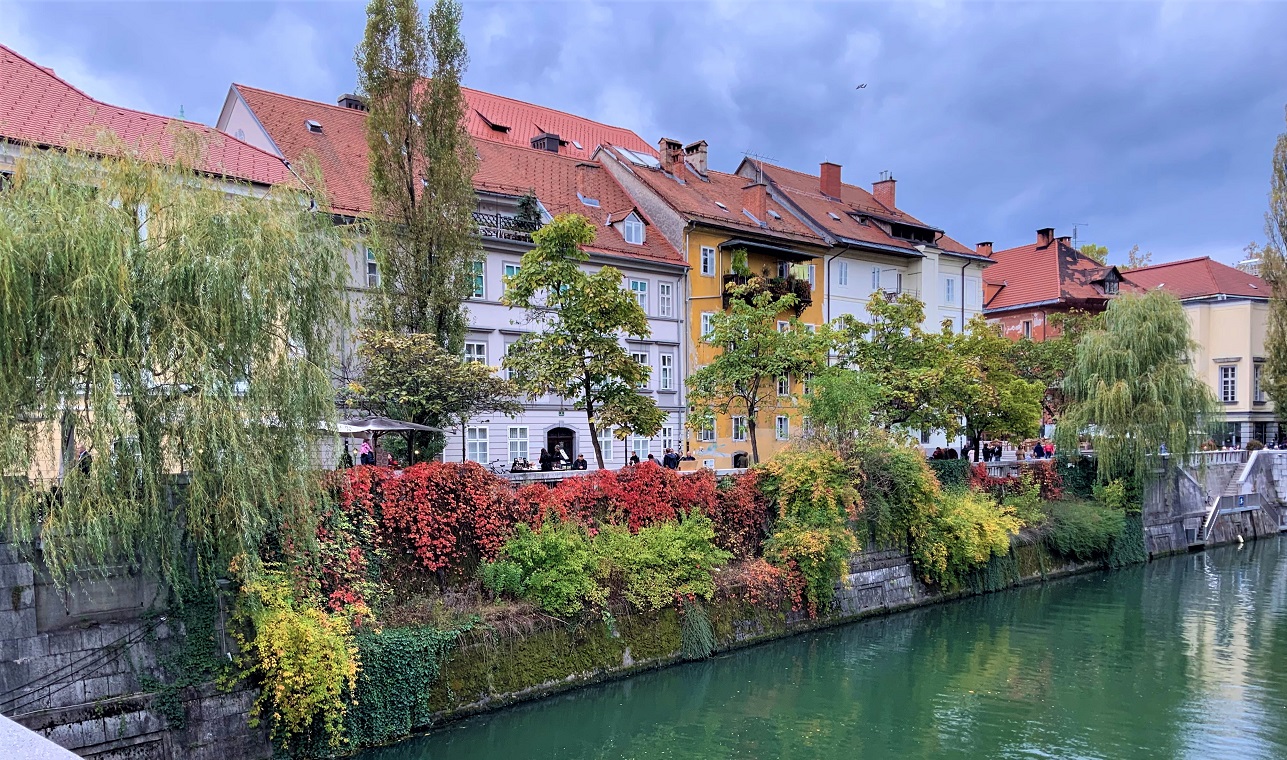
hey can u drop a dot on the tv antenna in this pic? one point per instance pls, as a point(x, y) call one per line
point(1075, 226)
point(759, 163)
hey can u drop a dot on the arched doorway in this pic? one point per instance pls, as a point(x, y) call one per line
point(741, 459)
point(564, 437)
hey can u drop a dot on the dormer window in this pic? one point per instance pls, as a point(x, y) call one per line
point(1110, 286)
point(313, 126)
point(632, 229)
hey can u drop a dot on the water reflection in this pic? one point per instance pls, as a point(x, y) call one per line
point(1185, 657)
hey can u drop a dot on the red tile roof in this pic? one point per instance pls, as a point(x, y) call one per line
point(1046, 274)
point(525, 121)
point(804, 191)
point(38, 108)
point(556, 180)
point(1199, 278)
point(697, 198)
point(504, 167)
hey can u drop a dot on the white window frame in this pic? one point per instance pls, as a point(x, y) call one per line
point(949, 290)
point(1229, 383)
point(640, 290)
point(642, 358)
point(1257, 380)
point(875, 279)
point(475, 356)
point(782, 427)
point(707, 261)
point(706, 324)
point(640, 445)
point(666, 375)
point(740, 427)
point(605, 443)
point(372, 269)
point(807, 384)
point(478, 270)
point(509, 270)
point(509, 371)
point(1025, 327)
point(783, 325)
point(665, 299)
point(813, 275)
point(784, 385)
point(706, 434)
point(632, 227)
point(519, 443)
point(477, 444)
point(842, 273)
point(667, 437)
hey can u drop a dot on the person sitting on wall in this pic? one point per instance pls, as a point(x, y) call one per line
point(634, 458)
point(580, 463)
point(547, 461)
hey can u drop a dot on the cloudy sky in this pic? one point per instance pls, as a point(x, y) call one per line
point(1144, 123)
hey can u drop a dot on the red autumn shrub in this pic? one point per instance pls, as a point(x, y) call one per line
point(759, 583)
point(1044, 473)
point(740, 513)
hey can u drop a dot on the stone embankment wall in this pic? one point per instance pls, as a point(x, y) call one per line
point(74, 663)
point(1176, 504)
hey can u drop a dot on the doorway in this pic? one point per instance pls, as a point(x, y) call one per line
point(561, 437)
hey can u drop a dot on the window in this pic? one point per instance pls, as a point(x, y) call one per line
point(875, 279)
point(476, 352)
point(783, 325)
point(708, 261)
point(372, 270)
point(1110, 286)
point(641, 358)
point(1229, 383)
point(667, 372)
point(511, 270)
point(973, 293)
point(509, 372)
point(813, 275)
point(605, 443)
point(782, 427)
point(842, 273)
point(640, 289)
point(517, 443)
point(480, 281)
point(707, 323)
point(632, 229)
point(639, 446)
point(1027, 328)
point(949, 290)
point(739, 428)
point(784, 386)
point(1257, 372)
point(806, 427)
point(476, 444)
point(925, 436)
point(667, 438)
point(808, 383)
point(811, 329)
point(665, 299)
point(706, 434)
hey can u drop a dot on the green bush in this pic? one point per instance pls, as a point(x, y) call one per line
point(555, 569)
point(815, 502)
point(951, 473)
point(1078, 473)
point(1026, 501)
point(663, 562)
point(896, 486)
point(966, 530)
point(1083, 530)
point(1128, 547)
point(696, 636)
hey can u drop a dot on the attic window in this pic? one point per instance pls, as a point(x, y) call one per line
point(909, 232)
point(632, 229)
point(577, 145)
point(833, 215)
point(591, 202)
point(775, 214)
point(721, 205)
point(314, 126)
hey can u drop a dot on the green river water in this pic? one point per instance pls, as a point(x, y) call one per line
point(1183, 658)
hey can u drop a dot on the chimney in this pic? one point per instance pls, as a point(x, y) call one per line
point(583, 177)
point(983, 249)
point(755, 199)
point(546, 141)
point(1065, 240)
point(349, 100)
point(884, 191)
point(1045, 236)
point(829, 179)
point(672, 154)
point(696, 153)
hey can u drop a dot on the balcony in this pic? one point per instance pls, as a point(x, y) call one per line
point(504, 227)
point(778, 286)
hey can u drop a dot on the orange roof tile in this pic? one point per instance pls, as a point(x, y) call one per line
point(1046, 274)
point(521, 121)
point(38, 108)
point(1199, 278)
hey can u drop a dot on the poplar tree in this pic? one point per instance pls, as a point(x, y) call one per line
point(1273, 267)
point(422, 164)
point(1132, 391)
point(574, 350)
point(170, 327)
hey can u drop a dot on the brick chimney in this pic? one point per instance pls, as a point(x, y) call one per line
point(584, 174)
point(755, 198)
point(696, 154)
point(672, 154)
point(983, 249)
point(829, 179)
point(1045, 236)
point(1066, 240)
point(884, 191)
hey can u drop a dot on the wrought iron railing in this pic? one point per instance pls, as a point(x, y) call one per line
point(505, 227)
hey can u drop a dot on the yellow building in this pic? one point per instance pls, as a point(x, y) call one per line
point(1228, 315)
point(708, 215)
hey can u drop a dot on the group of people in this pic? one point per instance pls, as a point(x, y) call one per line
point(367, 454)
point(670, 459)
point(992, 451)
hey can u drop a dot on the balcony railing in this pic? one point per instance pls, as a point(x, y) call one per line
point(778, 286)
point(505, 227)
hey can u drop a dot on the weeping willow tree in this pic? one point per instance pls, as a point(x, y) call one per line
point(178, 331)
point(1131, 388)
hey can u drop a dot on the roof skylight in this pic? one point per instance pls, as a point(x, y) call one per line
point(578, 145)
point(775, 214)
point(721, 205)
point(313, 126)
point(591, 202)
point(833, 215)
point(639, 159)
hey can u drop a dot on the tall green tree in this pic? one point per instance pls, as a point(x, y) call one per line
point(1097, 252)
point(1273, 267)
point(574, 349)
point(743, 378)
point(918, 374)
point(422, 164)
point(1047, 361)
point(411, 377)
point(997, 401)
point(1132, 389)
point(166, 325)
